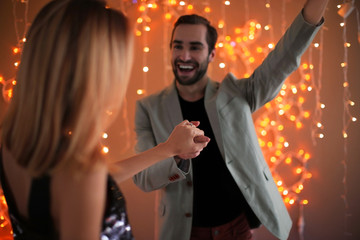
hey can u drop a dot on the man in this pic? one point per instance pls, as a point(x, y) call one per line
point(228, 189)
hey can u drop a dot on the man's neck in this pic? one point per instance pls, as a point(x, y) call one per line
point(194, 92)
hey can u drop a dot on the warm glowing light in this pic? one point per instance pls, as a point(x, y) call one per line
point(345, 84)
point(278, 153)
point(285, 192)
point(227, 3)
point(345, 135)
point(207, 9)
point(292, 201)
point(146, 49)
point(271, 45)
point(299, 125)
point(145, 69)
point(138, 33)
point(142, 8)
point(316, 45)
point(222, 65)
point(322, 106)
point(267, 27)
point(354, 119)
point(16, 50)
point(351, 103)
point(168, 16)
point(105, 150)
point(267, 5)
point(279, 183)
point(343, 64)
point(347, 44)
point(147, 28)
point(221, 24)
point(305, 202)
point(288, 160)
point(16, 64)
point(140, 91)
point(298, 170)
point(139, 20)
point(190, 7)
point(342, 24)
point(182, 3)
point(307, 156)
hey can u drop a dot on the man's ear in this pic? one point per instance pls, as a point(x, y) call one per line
point(211, 55)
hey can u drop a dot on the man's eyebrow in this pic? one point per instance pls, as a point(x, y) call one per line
point(191, 43)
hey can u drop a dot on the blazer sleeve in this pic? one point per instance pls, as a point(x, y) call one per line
point(267, 79)
point(149, 132)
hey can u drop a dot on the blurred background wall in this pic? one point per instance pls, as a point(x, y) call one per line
point(318, 159)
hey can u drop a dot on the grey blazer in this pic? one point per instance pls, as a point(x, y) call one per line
point(229, 106)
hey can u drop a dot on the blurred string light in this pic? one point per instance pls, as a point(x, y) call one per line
point(237, 45)
point(344, 10)
point(7, 93)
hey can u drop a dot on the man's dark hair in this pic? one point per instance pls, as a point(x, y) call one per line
point(211, 33)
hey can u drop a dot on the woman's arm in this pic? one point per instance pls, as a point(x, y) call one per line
point(181, 141)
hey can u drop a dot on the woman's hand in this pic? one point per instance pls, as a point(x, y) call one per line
point(186, 140)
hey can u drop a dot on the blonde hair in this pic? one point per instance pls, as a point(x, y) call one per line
point(74, 69)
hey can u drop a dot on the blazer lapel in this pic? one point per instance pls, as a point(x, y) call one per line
point(211, 95)
point(172, 106)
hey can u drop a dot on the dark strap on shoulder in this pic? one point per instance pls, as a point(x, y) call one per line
point(39, 202)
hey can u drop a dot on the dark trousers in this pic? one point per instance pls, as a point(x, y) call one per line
point(237, 229)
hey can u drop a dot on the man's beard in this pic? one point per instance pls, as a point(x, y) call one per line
point(199, 74)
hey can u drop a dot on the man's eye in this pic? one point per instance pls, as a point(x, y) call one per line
point(195, 48)
point(177, 47)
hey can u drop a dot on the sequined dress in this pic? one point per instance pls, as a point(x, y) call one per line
point(40, 225)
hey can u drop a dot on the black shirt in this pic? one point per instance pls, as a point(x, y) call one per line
point(217, 198)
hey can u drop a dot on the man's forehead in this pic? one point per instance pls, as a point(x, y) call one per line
point(190, 33)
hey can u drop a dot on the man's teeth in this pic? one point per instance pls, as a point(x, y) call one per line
point(186, 67)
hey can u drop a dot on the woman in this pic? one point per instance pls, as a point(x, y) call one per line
point(71, 81)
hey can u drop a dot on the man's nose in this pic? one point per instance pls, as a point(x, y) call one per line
point(185, 55)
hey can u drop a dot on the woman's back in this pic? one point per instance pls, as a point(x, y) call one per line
point(36, 204)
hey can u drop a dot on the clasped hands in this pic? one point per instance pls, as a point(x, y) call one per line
point(186, 140)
